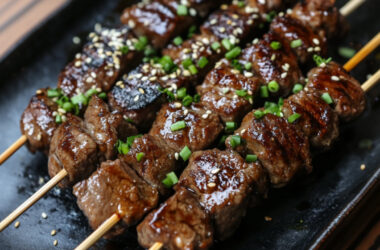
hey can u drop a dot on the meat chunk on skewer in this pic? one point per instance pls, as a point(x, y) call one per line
point(218, 91)
point(179, 223)
point(304, 42)
point(318, 121)
point(201, 127)
point(37, 121)
point(106, 127)
point(274, 61)
point(115, 187)
point(108, 54)
point(157, 161)
point(282, 149)
point(74, 150)
point(346, 93)
point(224, 184)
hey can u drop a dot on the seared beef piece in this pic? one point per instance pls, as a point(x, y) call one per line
point(346, 92)
point(106, 127)
point(38, 123)
point(159, 21)
point(115, 188)
point(278, 65)
point(223, 182)
point(199, 46)
point(290, 30)
point(234, 23)
point(264, 7)
point(318, 121)
point(158, 160)
point(202, 126)
point(137, 96)
point(179, 223)
point(322, 16)
point(218, 91)
point(74, 150)
point(280, 146)
point(100, 63)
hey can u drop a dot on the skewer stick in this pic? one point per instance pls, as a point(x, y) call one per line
point(350, 7)
point(156, 246)
point(363, 53)
point(99, 232)
point(371, 81)
point(13, 148)
point(32, 199)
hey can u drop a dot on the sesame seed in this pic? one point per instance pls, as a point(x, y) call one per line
point(39, 136)
point(177, 105)
point(141, 91)
point(248, 74)
point(362, 167)
point(224, 6)
point(131, 24)
point(44, 215)
point(255, 41)
point(315, 41)
point(208, 112)
point(283, 75)
point(204, 116)
point(76, 40)
point(215, 171)
point(17, 224)
point(53, 232)
point(317, 49)
point(267, 218)
point(77, 64)
point(60, 110)
point(213, 21)
point(335, 78)
point(211, 184)
point(186, 111)
point(176, 155)
point(55, 242)
point(192, 12)
point(41, 180)
point(242, 131)
point(273, 57)
point(310, 49)
point(222, 29)
point(38, 92)
point(136, 98)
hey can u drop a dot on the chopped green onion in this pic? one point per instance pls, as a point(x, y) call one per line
point(187, 100)
point(182, 10)
point(271, 15)
point(149, 51)
point(296, 43)
point(230, 126)
point(181, 93)
point(187, 62)
point(103, 95)
point(237, 65)
point(280, 102)
point(293, 117)
point(319, 60)
point(235, 52)
point(167, 63)
point(241, 92)
point(273, 86)
point(79, 99)
point(58, 119)
point(185, 153)
point(227, 44)
point(90, 93)
point(297, 88)
point(264, 92)
point(122, 147)
point(235, 141)
point(346, 52)
point(258, 114)
point(193, 70)
point(124, 49)
point(68, 106)
point(275, 45)
point(139, 156)
point(130, 120)
point(240, 4)
point(327, 98)
point(170, 180)
point(131, 139)
point(178, 126)
point(251, 158)
point(215, 45)
point(248, 66)
point(222, 140)
point(192, 31)
point(178, 40)
point(54, 93)
point(196, 98)
point(168, 93)
point(141, 43)
point(202, 62)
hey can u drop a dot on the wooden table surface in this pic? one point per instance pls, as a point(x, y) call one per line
point(19, 17)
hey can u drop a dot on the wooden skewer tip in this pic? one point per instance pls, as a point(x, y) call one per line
point(350, 7)
point(156, 246)
point(12, 149)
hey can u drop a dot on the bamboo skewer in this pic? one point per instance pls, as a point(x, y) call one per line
point(12, 149)
point(371, 82)
point(350, 7)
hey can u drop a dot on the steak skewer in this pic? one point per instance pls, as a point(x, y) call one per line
point(143, 170)
point(108, 54)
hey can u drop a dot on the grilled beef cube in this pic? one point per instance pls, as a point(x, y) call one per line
point(37, 121)
point(264, 7)
point(274, 63)
point(197, 49)
point(115, 188)
point(137, 96)
point(201, 7)
point(101, 62)
point(292, 31)
point(218, 91)
point(201, 130)
point(157, 161)
point(179, 223)
point(322, 16)
point(345, 91)
point(106, 127)
point(280, 146)
point(74, 150)
point(318, 120)
point(224, 184)
point(234, 23)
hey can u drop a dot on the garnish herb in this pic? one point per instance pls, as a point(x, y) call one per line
point(185, 153)
point(170, 180)
point(251, 158)
point(327, 98)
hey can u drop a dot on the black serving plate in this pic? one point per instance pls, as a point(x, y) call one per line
point(306, 214)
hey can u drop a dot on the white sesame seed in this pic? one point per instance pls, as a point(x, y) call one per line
point(255, 41)
point(211, 184)
point(177, 105)
point(192, 12)
point(315, 41)
point(204, 116)
point(141, 91)
point(215, 171)
point(76, 40)
point(55, 242)
point(176, 155)
point(362, 167)
point(317, 49)
point(53, 232)
point(273, 57)
point(44, 215)
point(77, 64)
point(310, 49)
point(185, 112)
point(17, 224)
point(335, 78)
point(136, 98)
point(283, 75)
point(242, 131)
point(208, 112)
point(131, 24)
point(248, 74)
